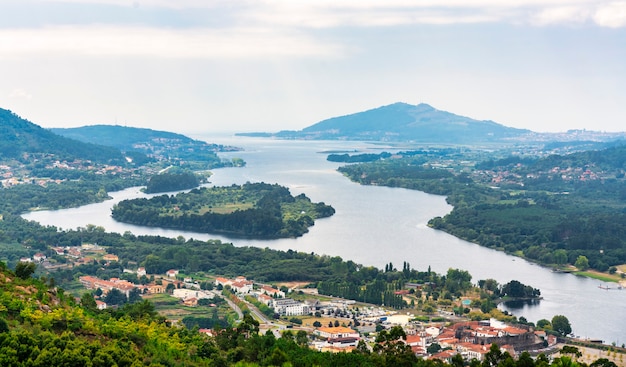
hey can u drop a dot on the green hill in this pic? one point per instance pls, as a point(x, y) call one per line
point(20, 137)
point(160, 145)
point(40, 325)
point(405, 122)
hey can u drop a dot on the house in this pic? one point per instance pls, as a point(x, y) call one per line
point(336, 332)
point(471, 351)
point(222, 281)
point(289, 307)
point(91, 282)
point(272, 292)
point(172, 273)
point(242, 286)
point(141, 272)
point(208, 332)
point(415, 341)
point(189, 293)
point(110, 257)
point(39, 257)
point(337, 345)
point(264, 298)
point(444, 355)
point(101, 305)
point(156, 289)
point(74, 252)
point(190, 302)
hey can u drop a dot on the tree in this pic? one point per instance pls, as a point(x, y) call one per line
point(493, 357)
point(582, 263)
point(561, 325)
point(302, 338)
point(564, 361)
point(115, 297)
point(134, 295)
point(560, 256)
point(4, 326)
point(544, 324)
point(567, 349)
point(603, 362)
point(25, 269)
point(433, 348)
point(88, 302)
point(457, 360)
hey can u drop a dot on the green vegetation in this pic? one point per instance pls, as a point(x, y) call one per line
point(157, 145)
point(172, 181)
point(89, 189)
point(159, 254)
point(555, 210)
point(49, 171)
point(251, 210)
point(19, 136)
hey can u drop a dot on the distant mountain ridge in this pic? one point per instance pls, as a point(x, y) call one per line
point(405, 122)
point(19, 136)
point(120, 137)
point(159, 145)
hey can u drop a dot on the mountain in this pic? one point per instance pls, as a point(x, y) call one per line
point(153, 143)
point(19, 136)
point(121, 137)
point(405, 122)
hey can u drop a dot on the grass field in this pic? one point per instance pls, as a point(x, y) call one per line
point(600, 276)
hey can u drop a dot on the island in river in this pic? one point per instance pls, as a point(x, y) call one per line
point(254, 210)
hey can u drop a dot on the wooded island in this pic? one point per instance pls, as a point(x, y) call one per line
point(256, 210)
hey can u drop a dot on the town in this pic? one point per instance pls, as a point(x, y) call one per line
point(330, 323)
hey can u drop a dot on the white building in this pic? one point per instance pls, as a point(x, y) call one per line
point(290, 307)
point(183, 293)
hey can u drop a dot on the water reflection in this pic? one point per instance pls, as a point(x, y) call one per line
point(521, 304)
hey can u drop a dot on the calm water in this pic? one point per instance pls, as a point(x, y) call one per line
point(378, 225)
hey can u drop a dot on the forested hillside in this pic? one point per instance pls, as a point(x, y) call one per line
point(40, 325)
point(20, 138)
point(159, 145)
point(556, 210)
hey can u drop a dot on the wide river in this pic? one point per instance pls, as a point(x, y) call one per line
point(376, 226)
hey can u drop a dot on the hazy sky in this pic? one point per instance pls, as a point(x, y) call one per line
point(269, 65)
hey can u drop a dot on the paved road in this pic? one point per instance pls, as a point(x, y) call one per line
point(231, 304)
point(258, 314)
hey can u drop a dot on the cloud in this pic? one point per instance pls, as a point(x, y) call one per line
point(20, 93)
point(166, 43)
point(562, 14)
point(612, 15)
point(321, 14)
point(381, 13)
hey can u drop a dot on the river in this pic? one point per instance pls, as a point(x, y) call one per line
point(375, 226)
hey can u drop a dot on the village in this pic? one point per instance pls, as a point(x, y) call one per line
point(331, 324)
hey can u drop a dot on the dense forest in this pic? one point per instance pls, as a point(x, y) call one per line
point(72, 193)
point(172, 181)
point(19, 137)
point(556, 210)
point(257, 210)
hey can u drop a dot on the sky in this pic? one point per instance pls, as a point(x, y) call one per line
point(200, 66)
